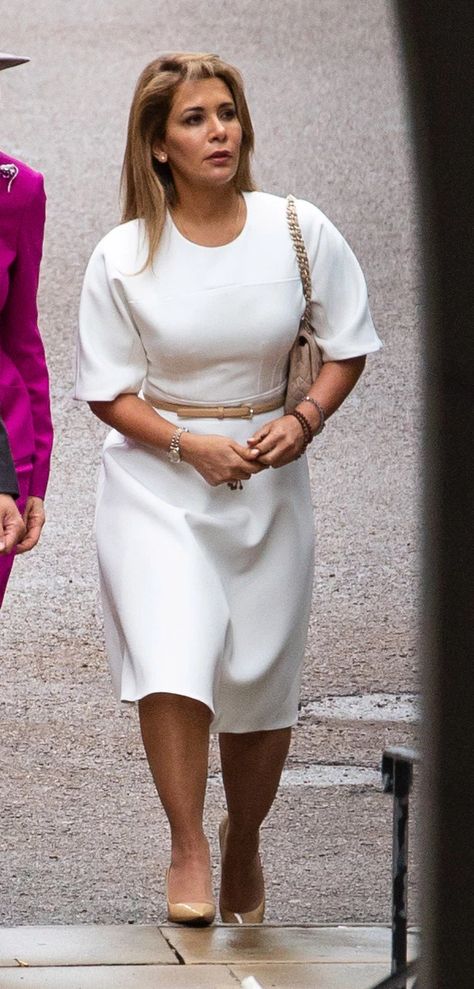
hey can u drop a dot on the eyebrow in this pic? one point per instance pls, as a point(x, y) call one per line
point(189, 109)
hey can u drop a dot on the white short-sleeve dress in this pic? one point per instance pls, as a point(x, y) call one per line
point(206, 591)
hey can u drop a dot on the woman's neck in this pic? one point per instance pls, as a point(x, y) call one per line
point(210, 218)
point(200, 205)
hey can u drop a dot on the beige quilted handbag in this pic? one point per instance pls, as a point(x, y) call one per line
point(305, 356)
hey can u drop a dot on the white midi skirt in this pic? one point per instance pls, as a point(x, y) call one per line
point(206, 591)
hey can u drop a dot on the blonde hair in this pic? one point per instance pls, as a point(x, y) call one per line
point(146, 184)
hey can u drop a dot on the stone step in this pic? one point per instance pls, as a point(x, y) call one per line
point(149, 957)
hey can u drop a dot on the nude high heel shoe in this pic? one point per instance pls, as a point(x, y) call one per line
point(231, 916)
point(195, 913)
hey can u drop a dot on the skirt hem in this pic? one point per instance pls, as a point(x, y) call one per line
point(221, 728)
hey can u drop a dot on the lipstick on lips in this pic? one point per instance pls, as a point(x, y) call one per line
point(219, 156)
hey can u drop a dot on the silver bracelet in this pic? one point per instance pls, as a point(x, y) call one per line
point(174, 452)
point(322, 414)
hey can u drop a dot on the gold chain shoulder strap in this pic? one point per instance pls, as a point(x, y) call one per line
point(301, 255)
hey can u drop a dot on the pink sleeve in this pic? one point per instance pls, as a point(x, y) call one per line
point(20, 334)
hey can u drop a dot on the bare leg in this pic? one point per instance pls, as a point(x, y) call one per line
point(252, 764)
point(175, 732)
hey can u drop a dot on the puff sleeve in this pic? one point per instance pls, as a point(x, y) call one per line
point(111, 359)
point(340, 308)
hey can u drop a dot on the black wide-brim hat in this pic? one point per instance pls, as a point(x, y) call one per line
point(7, 61)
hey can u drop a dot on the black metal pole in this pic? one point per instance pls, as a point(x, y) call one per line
point(399, 981)
point(397, 776)
point(401, 790)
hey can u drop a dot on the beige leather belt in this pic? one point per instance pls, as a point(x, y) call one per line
point(216, 411)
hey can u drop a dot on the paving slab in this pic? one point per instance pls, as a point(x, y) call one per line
point(290, 976)
point(120, 977)
point(84, 944)
point(227, 944)
point(178, 958)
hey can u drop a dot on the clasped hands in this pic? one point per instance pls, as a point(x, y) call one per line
point(15, 530)
point(220, 459)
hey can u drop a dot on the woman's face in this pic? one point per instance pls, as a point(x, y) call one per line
point(203, 134)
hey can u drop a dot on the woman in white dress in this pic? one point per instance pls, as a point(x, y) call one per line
point(204, 522)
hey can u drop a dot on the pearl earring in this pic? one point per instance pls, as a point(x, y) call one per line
point(162, 157)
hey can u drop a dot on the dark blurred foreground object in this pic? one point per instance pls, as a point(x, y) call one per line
point(438, 41)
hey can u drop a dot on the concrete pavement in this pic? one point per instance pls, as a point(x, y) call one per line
point(117, 957)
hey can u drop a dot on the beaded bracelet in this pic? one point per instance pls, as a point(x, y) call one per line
point(305, 425)
point(321, 412)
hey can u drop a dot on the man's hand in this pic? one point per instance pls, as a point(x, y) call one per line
point(34, 519)
point(12, 526)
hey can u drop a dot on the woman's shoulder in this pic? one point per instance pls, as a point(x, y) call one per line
point(121, 245)
point(267, 205)
point(19, 179)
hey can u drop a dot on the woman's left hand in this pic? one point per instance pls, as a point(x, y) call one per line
point(278, 442)
point(34, 519)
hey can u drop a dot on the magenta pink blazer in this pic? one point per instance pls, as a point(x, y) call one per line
point(24, 387)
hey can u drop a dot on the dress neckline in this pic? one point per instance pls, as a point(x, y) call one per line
point(217, 247)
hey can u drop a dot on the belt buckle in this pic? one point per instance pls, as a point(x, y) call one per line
point(249, 413)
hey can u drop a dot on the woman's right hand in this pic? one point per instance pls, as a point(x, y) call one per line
point(34, 519)
point(12, 526)
point(219, 459)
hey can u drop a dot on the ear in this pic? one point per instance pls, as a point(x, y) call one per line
point(160, 154)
